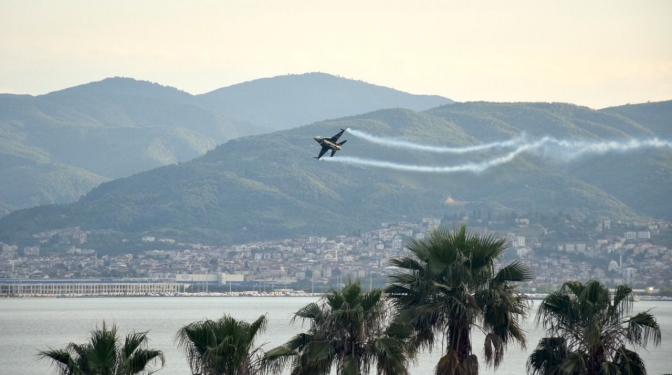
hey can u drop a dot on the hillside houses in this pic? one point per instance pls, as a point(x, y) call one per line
point(604, 255)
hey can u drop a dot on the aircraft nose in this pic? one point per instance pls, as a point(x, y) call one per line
point(317, 138)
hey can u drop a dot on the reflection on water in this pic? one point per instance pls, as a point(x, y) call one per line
point(29, 325)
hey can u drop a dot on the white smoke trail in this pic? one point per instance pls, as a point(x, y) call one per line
point(400, 143)
point(575, 149)
point(466, 167)
point(546, 146)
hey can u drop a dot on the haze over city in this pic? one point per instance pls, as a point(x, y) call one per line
point(593, 53)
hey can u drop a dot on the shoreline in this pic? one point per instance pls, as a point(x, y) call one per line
point(164, 295)
point(533, 297)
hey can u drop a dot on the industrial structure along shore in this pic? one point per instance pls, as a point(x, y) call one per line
point(178, 284)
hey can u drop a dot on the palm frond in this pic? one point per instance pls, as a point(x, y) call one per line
point(515, 271)
point(299, 341)
point(275, 360)
point(222, 346)
point(642, 327)
point(320, 352)
point(307, 312)
point(371, 300)
point(62, 359)
point(575, 363)
point(622, 300)
point(609, 368)
point(257, 327)
point(555, 310)
point(548, 357)
point(493, 349)
point(132, 342)
point(575, 287)
point(595, 296)
point(407, 263)
point(629, 362)
point(350, 366)
point(390, 354)
point(141, 359)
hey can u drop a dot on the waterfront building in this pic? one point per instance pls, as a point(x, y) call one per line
point(87, 287)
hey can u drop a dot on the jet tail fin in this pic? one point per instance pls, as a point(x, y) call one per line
point(332, 153)
point(341, 144)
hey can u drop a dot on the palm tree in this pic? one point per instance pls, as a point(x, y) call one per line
point(222, 347)
point(448, 285)
point(104, 354)
point(589, 331)
point(349, 329)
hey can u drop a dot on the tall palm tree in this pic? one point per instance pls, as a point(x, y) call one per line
point(589, 331)
point(222, 347)
point(349, 329)
point(104, 354)
point(449, 284)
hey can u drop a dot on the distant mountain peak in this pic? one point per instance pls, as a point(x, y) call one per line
point(312, 97)
point(306, 80)
point(122, 86)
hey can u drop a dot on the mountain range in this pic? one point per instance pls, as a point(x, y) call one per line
point(269, 186)
point(56, 147)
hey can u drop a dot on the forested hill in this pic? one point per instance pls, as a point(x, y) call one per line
point(284, 102)
point(56, 147)
point(269, 186)
point(656, 116)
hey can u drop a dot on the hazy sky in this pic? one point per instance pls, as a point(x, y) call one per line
point(592, 53)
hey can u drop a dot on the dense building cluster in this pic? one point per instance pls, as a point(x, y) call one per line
point(615, 253)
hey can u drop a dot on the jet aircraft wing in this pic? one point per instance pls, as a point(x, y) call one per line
point(322, 152)
point(337, 136)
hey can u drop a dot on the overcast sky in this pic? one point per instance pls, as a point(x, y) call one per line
point(592, 53)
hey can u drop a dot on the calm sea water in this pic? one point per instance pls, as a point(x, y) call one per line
point(29, 325)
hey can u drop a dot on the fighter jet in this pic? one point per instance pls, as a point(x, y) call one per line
point(329, 144)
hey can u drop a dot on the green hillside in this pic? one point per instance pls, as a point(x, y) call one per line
point(118, 127)
point(656, 116)
point(494, 121)
point(269, 186)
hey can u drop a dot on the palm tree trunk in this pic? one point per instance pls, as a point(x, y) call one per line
point(595, 361)
point(459, 352)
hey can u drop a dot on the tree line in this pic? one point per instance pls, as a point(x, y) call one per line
point(444, 289)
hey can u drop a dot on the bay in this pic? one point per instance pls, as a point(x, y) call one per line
point(28, 325)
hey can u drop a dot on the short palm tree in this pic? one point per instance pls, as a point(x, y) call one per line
point(222, 347)
point(588, 332)
point(448, 285)
point(105, 354)
point(349, 329)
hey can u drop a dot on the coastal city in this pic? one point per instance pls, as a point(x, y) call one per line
point(558, 249)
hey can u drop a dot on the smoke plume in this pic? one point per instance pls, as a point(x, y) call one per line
point(547, 146)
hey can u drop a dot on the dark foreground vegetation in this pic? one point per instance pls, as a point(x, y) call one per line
point(447, 287)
